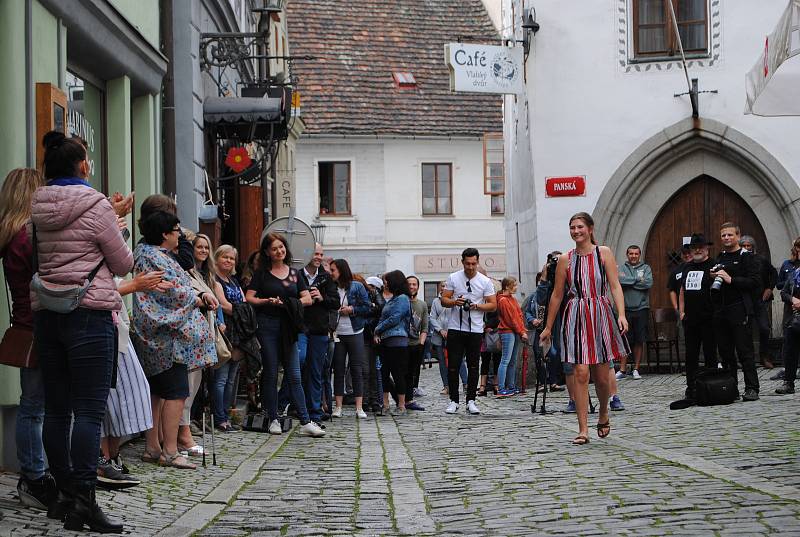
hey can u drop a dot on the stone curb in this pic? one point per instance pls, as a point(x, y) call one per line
point(198, 517)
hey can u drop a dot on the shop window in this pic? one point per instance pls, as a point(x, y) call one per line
point(431, 291)
point(654, 32)
point(334, 188)
point(437, 182)
point(85, 119)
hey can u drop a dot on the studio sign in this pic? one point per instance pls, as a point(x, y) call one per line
point(484, 68)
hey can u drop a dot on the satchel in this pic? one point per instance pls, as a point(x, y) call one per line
point(715, 387)
point(16, 348)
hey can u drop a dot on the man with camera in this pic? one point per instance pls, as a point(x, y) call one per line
point(313, 346)
point(696, 311)
point(735, 276)
point(470, 294)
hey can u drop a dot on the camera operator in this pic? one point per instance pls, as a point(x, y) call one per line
point(735, 277)
point(696, 311)
point(471, 294)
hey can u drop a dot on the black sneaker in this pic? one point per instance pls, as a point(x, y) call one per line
point(110, 476)
point(118, 462)
point(786, 389)
point(750, 395)
point(37, 493)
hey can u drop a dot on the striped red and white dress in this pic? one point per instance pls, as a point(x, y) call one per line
point(589, 328)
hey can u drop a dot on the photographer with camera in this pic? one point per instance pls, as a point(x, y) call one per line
point(695, 309)
point(735, 276)
point(471, 294)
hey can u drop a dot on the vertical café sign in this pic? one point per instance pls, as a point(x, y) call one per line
point(484, 68)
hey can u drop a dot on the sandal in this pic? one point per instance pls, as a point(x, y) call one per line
point(481, 392)
point(172, 461)
point(581, 440)
point(603, 429)
point(152, 458)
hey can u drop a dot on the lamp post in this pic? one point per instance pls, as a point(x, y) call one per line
point(270, 6)
point(319, 230)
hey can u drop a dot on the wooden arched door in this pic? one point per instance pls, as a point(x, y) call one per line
point(699, 207)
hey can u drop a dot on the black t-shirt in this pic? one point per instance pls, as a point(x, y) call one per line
point(696, 283)
point(676, 278)
point(266, 285)
point(741, 266)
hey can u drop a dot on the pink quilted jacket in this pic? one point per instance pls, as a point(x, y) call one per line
point(76, 227)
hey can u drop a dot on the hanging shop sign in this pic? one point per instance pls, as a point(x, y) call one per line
point(238, 159)
point(556, 187)
point(484, 68)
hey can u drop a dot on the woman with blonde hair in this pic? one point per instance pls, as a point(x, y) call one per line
point(36, 486)
point(512, 334)
point(591, 336)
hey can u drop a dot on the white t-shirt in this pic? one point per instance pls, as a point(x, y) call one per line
point(478, 289)
point(345, 327)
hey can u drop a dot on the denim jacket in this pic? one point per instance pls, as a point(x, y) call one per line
point(358, 298)
point(395, 317)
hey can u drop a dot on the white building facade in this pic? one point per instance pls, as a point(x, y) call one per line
point(387, 227)
point(600, 104)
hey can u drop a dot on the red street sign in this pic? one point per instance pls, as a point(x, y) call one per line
point(565, 186)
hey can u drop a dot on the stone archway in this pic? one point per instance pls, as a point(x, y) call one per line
point(666, 162)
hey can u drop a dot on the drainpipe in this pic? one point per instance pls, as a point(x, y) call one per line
point(168, 108)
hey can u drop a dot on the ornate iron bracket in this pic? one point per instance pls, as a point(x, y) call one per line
point(228, 49)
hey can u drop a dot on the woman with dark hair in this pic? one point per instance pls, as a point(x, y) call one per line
point(354, 307)
point(184, 253)
point(170, 336)
point(391, 333)
point(591, 336)
point(36, 487)
point(278, 294)
point(78, 246)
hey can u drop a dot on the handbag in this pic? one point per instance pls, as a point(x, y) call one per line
point(55, 297)
point(715, 387)
point(493, 343)
point(16, 348)
point(223, 347)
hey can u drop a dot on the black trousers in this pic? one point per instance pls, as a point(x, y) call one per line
point(695, 335)
point(791, 350)
point(459, 345)
point(394, 362)
point(415, 355)
point(735, 339)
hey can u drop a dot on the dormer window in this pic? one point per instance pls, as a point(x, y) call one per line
point(404, 80)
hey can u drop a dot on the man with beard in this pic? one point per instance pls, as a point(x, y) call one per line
point(416, 342)
point(696, 310)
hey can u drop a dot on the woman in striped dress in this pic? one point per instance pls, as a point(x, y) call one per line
point(591, 335)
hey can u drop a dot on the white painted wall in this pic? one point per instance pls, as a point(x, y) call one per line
point(494, 9)
point(387, 229)
point(588, 114)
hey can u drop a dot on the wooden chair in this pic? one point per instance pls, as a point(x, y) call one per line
point(664, 337)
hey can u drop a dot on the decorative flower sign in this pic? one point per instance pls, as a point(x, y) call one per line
point(238, 160)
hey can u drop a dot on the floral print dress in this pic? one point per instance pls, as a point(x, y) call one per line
point(168, 328)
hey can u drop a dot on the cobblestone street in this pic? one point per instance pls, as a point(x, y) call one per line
point(702, 471)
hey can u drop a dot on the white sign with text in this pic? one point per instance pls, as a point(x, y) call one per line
point(484, 68)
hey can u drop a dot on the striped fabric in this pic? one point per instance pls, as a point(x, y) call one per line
point(590, 334)
point(128, 409)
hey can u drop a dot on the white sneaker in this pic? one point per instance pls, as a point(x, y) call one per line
point(337, 412)
point(452, 408)
point(620, 375)
point(472, 408)
point(636, 374)
point(275, 427)
point(360, 414)
point(419, 392)
point(311, 429)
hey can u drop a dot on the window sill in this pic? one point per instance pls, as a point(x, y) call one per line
point(335, 216)
point(438, 215)
point(676, 58)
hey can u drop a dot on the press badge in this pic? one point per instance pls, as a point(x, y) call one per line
point(694, 280)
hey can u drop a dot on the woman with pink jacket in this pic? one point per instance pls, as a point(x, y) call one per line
point(76, 236)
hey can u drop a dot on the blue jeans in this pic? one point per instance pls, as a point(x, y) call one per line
point(224, 390)
point(437, 352)
point(269, 335)
point(30, 416)
point(302, 349)
point(76, 353)
point(316, 351)
point(507, 372)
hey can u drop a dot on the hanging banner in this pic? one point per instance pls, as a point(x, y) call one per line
point(484, 68)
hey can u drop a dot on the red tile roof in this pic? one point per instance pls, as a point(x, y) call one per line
point(358, 44)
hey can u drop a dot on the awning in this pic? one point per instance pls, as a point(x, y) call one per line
point(773, 84)
point(245, 118)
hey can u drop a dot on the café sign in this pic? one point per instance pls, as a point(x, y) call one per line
point(484, 68)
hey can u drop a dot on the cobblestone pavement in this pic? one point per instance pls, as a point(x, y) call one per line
point(729, 470)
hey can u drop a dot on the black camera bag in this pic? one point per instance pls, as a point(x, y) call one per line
point(715, 387)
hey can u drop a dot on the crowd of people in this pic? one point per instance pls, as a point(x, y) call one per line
point(200, 321)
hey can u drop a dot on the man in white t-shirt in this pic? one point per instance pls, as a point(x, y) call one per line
point(470, 294)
